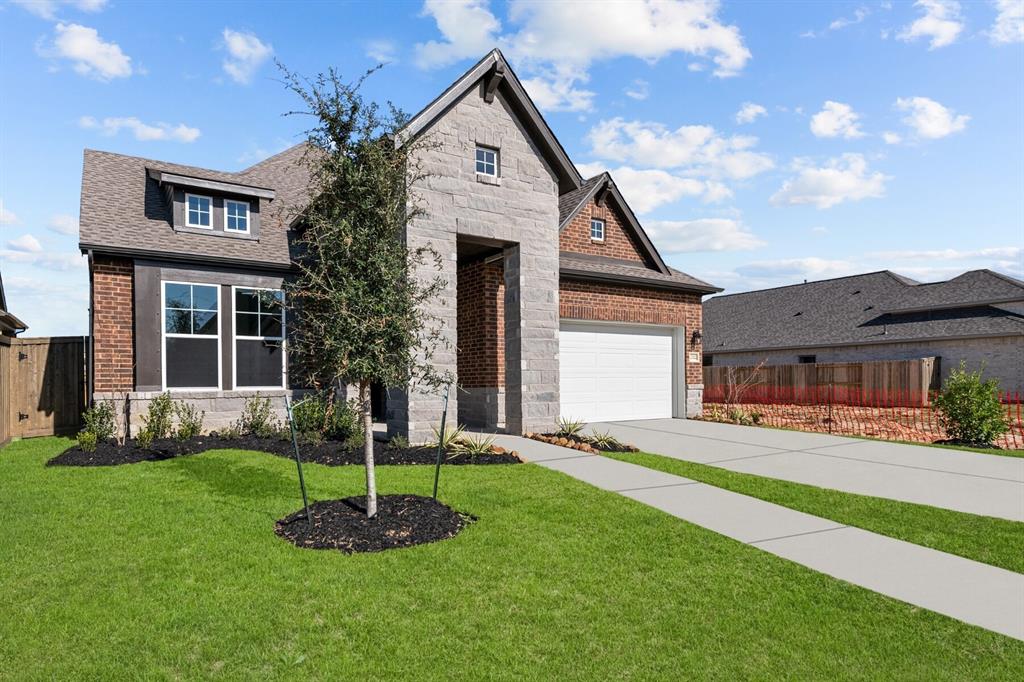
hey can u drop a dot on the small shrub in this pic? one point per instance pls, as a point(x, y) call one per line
point(757, 418)
point(190, 421)
point(158, 419)
point(144, 439)
point(605, 441)
point(258, 419)
point(230, 432)
point(570, 428)
point(473, 445)
point(969, 408)
point(738, 416)
point(449, 440)
point(99, 421)
point(399, 441)
point(87, 440)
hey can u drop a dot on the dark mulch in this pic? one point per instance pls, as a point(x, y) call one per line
point(329, 453)
point(401, 521)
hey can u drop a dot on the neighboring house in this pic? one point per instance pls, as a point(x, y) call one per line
point(977, 317)
point(10, 325)
point(557, 301)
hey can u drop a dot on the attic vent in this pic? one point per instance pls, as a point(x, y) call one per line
point(855, 293)
point(869, 307)
point(798, 314)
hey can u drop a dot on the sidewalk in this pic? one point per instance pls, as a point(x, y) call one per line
point(976, 593)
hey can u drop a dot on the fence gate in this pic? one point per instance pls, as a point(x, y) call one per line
point(46, 385)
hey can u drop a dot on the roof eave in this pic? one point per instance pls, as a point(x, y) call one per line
point(181, 180)
point(184, 257)
point(639, 281)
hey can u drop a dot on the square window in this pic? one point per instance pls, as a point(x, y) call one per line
point(198, 211)
point(236, 216)
point(487, 161)
point(597, 229)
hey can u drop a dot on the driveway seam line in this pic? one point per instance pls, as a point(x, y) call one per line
point(796, 535)
point(911, 466)
point(655, 487)
point(559, 459)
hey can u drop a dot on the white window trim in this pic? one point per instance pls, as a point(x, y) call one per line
point(497, 161)
point(235, 338)
point(248, 216)
point(604, 229)
point(197, 225)
point(164, 336)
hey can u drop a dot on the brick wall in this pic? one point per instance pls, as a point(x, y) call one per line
point(113, 343)
point(619, 241)
point(481, 325)
point(620, 303)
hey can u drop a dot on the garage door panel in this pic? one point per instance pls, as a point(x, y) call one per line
point(615, 372)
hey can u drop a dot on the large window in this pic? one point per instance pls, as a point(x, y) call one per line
point(487, 161)
point(259, 338)
point(236, 216)
point(198, 211)
point(191, 335)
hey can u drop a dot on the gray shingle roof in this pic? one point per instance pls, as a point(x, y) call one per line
point(599, 267)
point(570, 201)
point(847, 310)
point(970, 288)
point(124, 210)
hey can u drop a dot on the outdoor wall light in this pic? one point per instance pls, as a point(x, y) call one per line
point(695, 337)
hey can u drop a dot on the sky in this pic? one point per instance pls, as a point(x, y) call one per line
point(760, 143)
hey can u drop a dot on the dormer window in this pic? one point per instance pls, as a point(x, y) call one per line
point(198, 211)
point(487, 161)
point(236, 216)
point(596, 230)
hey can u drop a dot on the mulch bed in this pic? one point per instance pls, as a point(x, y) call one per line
point(329, 453)
point(401, 521)
point(581, 444)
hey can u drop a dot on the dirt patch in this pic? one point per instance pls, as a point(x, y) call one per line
point(401, 521)
point(329, 453)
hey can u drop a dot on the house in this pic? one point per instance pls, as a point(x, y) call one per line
point(10, 326)
point(977, 317)
point(557, 303)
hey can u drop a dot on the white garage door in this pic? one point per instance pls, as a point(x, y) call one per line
point(611, 372)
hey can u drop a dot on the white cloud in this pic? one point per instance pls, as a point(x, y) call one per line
point(63, 223)
point(382, 51)
point(845, 178)
point(46, 260)
point(645, 190)
point(819, 229)
point(47, 9)
point(697, 148)
point(25, 243)
point(7, 216)
point(859, 15)
point(891, 137)
point(695, 67)
point(749, 112)
point(703, 234)
point(556, 42)
point(998, 253)
point(940, 23)
point(836, 120)
point(246, 53)
point(796, 269)
point(142, 131)
point(89, 54)
point(1009, 23)
point(929, 119)
point(639, 89)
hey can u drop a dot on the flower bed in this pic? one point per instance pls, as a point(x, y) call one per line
point(582, 443)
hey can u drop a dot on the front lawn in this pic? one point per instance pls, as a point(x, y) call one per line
point(172, 569)
point(999, 542)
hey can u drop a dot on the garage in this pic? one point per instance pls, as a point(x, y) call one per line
point(612, 372)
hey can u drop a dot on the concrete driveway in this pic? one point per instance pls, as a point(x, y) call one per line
point(975, 483)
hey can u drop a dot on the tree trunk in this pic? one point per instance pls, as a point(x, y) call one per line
point(371, 481)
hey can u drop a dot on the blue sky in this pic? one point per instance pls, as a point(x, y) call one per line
point(761, 143)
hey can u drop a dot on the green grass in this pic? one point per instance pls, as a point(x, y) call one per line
point(172, 570)
point(983, 538)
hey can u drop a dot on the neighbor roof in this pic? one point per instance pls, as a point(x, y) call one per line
point(971, 288)
point(124, 210)
point(850, 311)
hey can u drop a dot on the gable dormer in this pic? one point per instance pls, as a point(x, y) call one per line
point(211, 207)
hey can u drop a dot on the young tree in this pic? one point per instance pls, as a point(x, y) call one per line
point(357, 301)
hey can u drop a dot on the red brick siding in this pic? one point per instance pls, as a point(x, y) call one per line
point(481, 325)
point(618, 303)
point(618, 240)
point(113, 336)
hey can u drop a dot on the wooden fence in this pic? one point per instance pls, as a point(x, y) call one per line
point(896, 382)
point(42, 386)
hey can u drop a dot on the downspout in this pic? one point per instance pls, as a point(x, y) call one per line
point(89, 360)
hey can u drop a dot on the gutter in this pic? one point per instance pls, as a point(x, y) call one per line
point(89, 249)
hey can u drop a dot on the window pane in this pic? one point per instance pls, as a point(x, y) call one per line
point(271, 301)
point(247, 324)
point(204, 297)
point(178, 321)
point(178, 295)
point(204, 323)
point(270, 325)
point(192, 363)
point(258, 364)
point(246, 301)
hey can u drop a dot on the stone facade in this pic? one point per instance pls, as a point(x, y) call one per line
point(519, 211)
point(1001, 357)
point(113, 345)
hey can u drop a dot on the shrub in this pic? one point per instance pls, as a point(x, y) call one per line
point(258, 419)
point(99, 421)
point(570, 428)
point(190, 421)
point(473, 445)
point(87, 440)
point(448, 440)
point(158, 419)
point(756, 417)
point(605, 441)
point(399, 441)
point(144, 439)
point(969, 408)
point(321, 417)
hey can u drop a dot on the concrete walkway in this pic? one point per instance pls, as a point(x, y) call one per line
point(989, 485)
point(970, 591)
